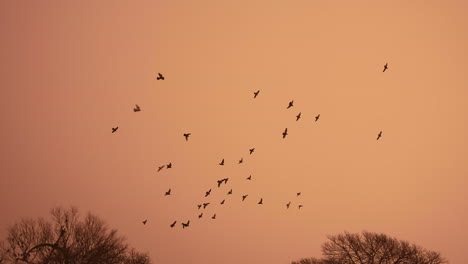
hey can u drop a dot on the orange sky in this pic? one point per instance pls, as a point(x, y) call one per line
point(71, 70)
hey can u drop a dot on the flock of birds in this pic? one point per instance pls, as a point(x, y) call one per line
point(137, 108)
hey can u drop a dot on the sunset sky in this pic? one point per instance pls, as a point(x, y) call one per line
point(72, 70)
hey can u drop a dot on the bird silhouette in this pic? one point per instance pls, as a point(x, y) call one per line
point(225, 180)
point(261, 201)
point(205, 205)
point(200, 215)
point(187, 135)
point(219, 182)
point(379, 135)
point(251, 150)
point(298, 194)
point(184, 225)
point(168, 192)
point(298, 116)
point(214, 216)
point(161, 167)
point(137, 108)
point(291, 104)
point(249, 178)
point(144, 222)
point(317, 118)
point(114, 129)
point(385, 67)
point(285, 133)
point(300, 206)
point(256, 94)
point(168, 166)
point(241, 160)
point(244, 196)
point(173, 224)
point(199, 206)
point(208, 193)
point(230, 192)
point(222, 162)
point(160, 77)
point(222, 202)
point(287, 205)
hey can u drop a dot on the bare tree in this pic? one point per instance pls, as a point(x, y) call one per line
point(66, 240)
point(372, 248)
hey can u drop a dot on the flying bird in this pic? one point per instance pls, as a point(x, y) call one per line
point(300, 206)
point(261, 201)
point(187, 135)
point(200, 215)
point(256, 94)
point(222, 202)
point(291, 104)
point(214, 216)
point(241, 160)
point(114, 129)
point(298, 194)
point(379, 135)
point(222, 162)
point(144, 222)
point(168, 192)
point(208, 193)
point(249, 178)
point(251, 150)
point(173, 224)
point(244, 196)
point(161, 167)
point(168, 166)
point(225, 180)
point(199, 206)
point(184, 225)
point(160, 77)
point(219, 182)
point(298, 116)
point(285, 133)
point(287, 205)
point(205, 205)
point(317, 118)
point(385, 67)
point(137, 108)
point(230, 192)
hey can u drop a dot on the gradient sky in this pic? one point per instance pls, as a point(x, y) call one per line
point(71, 70)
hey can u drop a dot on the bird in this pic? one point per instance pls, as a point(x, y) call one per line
point(291, 104)
point(249, 178)
point(287, 205)
point(244, 196)
point(137, 108)
point(256, 94)
point(285, 133)
point(168, 166)
point(160, 77)
point(298, 116)
point(214, 216)
point(317, 118)
point(300, 206)
point(241, 160)
point(230, 192)
point(261, 201)
point(187, 135)
point(184, 225)
point(173, 224)
point(199, 206)
point(222, 202)
point(385, 67)
point(114, 129)
point(379, 135)
point(222, 162)
point(207, 193)
point(205, 205)
point(200, 215)
point(161, 167)
point(144, 222)
point(298, 194)
point(168, 192)
point(251, 150)
point(219, 182)
point(225, 180)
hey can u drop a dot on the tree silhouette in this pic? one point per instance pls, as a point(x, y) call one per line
point(66, 240)
point(372, 248)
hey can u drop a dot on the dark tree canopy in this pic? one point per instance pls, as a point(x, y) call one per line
point(67, 240)
point(372, 248)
